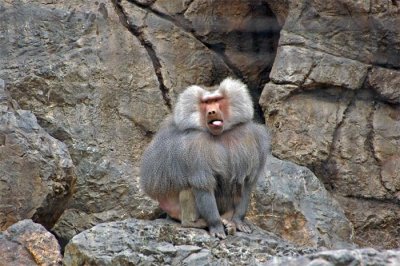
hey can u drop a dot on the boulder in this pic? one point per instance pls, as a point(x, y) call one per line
point(37, 175)
point(162, 242)
point(294, 204)
point(28, 243)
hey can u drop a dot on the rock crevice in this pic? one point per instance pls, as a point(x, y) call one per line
point(137, 31)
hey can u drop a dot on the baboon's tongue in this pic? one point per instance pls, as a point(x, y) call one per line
point(217, 123)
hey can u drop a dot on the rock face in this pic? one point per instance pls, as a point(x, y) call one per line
point(37, 175)
point(28, 243)
point(293, 203)
point(333, 104)
point(139, 242)
point(91, 85)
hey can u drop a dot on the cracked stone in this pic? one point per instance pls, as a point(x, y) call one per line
point(386, 83)
point(350, 46)
point(200, 65)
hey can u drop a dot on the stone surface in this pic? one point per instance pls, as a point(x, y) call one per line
point(161, 37)
point(386, 83)
point(246, 33)
point(375, 223)
point(37, 176)
point(80, 71)
point(244, 36)
point(368, 256)
point(333, 104)
point(365, 31)
point(293, 203)
point(28, 243)
point(308, 68)
point(161, 242)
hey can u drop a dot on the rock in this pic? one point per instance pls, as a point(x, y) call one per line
point(385, 82)
point(297, 120)
point(28, 243)
point(308, 68)
point(244, 36)
point(280, 9)
point(246, 33)
point(374, 222)
point(161, 36)
point(360, 31)
point(37, 175)
point(91, 85)
point(293, 203)
point(332, 103)
point(161, 242)
point(367, 256)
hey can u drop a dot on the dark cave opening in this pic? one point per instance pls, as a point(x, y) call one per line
point(250, 49)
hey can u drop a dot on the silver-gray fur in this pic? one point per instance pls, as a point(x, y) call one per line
point(183, 154)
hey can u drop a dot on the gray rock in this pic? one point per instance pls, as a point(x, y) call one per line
point(91, 84)
point(246, 33)
point(376, 223)
point(386, 83)
point(293, 203)
point(308, 68)
point(361, 31)
point(332, 104)
point(37, 175)
point(244, 36)
point(367, 256)
point(200, 64)
point(349, 139)
point(28, 243)
point(203, 257)
point(161, 242)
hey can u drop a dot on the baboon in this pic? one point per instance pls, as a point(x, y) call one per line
point(207, 156)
